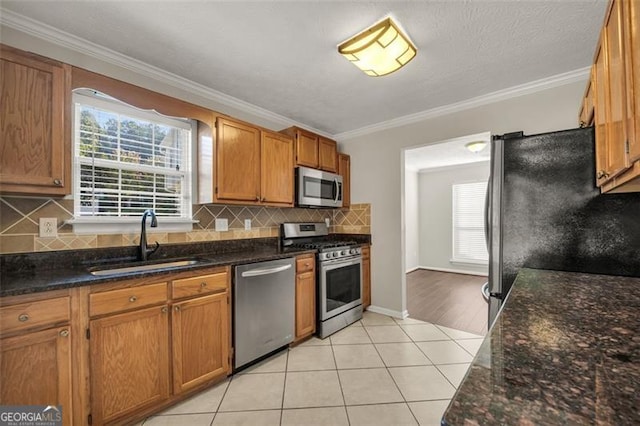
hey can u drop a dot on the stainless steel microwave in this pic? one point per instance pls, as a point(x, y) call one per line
point(315, 188)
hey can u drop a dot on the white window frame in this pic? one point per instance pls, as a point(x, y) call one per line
point(455, 258)
point(131, 224)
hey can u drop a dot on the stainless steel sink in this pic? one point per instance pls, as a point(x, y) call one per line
point(124, 269)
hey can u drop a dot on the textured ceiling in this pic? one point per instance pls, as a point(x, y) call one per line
point(282, 56)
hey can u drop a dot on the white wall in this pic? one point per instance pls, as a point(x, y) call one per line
point(435, 208)
point(377, 170)
point(412, 240)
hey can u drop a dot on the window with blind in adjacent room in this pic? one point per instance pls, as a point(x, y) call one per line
point(129, 160)
point(468, 223)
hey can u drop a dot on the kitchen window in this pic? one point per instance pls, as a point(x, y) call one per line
point(469, 244)
point(126, 161)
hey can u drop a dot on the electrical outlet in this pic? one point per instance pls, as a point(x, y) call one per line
point(222, 225)
point(327, 221)
point(247, 224)
point(48, 227)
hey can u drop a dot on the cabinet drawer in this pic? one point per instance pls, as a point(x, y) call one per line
point(203, 284)
point(34, 314)
point(305, 264)
point(127, 298)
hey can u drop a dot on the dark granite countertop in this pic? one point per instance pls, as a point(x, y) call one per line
point(34, 272)
point(564, 350)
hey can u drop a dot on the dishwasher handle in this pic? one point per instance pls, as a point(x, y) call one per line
point(266, 271)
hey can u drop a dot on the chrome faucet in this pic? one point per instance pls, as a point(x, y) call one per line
point(144, 251)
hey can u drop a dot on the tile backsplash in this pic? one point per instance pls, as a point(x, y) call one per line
point(19, 219)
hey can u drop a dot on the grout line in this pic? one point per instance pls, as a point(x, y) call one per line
point(284, 385)
point(344, 400)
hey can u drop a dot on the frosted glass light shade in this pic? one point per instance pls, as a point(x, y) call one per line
point(379, 50)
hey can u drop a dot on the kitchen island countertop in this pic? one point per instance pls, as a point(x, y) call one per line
point(565, 349)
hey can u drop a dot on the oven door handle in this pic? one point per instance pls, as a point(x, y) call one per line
point(266, 271)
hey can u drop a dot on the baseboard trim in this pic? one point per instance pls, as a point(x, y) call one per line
point(454, 271)
point(413, 269)
point(388, 312)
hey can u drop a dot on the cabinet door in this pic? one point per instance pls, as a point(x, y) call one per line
point(328, 155)
point(306, 149)
point(200, 341)
point(631, 14)
point(586, 110)
point(366, 277)
point(344, 170)
point(237, 162)
point(36, 370)
point(305, 304)
point(129, 363)
point(32, 124)
point(600, 116)
point(277, 169)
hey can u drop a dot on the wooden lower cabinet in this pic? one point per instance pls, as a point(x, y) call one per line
point(35, 369)
point(200, 340)
point(305, 296)
point(129, 363)
point(366, 276)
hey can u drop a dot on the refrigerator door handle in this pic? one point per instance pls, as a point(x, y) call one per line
point(487, 215)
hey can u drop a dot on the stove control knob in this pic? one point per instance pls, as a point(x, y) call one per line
point(352, 251)
point(344, 252)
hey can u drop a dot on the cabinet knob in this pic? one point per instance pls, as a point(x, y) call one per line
point(602, 174)
point(203, 284)
point(133, 299)
point(257, 198)
point(583, 124)
point(164, 310)
point(177, 308)
point(23, 318)
point(64, 333)
point(57, 182)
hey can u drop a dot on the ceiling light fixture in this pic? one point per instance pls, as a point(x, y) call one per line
point(476, 146)
point(379, 50)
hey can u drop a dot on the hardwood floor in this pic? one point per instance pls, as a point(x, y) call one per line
point(452, 300)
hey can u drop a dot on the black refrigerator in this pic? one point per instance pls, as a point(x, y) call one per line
point(544, 211)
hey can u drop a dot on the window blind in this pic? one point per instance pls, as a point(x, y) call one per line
point(128, 160)
point(468, 222)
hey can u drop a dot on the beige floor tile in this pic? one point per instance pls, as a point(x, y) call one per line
point(314, 341)
point(386, 334)
point(312, 389)
point(180, 419)
point(381, 414)
point(471, 345)
point(422, 383)
point(368, 386)
point(401, 354)
point(248, 418)
point(350, 336)
point(408, 321)
point(357, 356)
point(444, 352)
point(429, 413)
point(206, 401)
point(371, 318)
point(424, 332)
point(254, 392)
point(458, 334)
point(454, 372)
point(308, 358)
point(325, 416)
point(274, 364)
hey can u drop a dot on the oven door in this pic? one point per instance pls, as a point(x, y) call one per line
point(340, 286)
point(316, 188)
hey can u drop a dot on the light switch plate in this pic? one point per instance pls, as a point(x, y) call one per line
point(48, 227)
point(247, 224)
point(222, 225)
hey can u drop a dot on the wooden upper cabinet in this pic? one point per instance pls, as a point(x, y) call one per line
point(586, 117)
point(277, 169)
point(328, 155)
point(237, 162)
point(631, 24)
point(35, 144)
point(344, 170)
point(600, 116)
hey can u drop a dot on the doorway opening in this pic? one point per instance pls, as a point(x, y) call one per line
point(446, 260)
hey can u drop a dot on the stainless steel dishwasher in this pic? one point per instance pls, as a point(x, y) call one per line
point(264, 308)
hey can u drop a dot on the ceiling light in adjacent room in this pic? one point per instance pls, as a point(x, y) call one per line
point(379, 50)
point(476, 146)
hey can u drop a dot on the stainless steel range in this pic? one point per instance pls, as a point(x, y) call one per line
point(339, 274)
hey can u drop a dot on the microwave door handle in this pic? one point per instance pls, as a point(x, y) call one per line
point(336, 188)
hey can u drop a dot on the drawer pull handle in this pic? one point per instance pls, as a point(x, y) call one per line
point(64, 333)
point(23, 318)
point(133, 299)
point(203, 284)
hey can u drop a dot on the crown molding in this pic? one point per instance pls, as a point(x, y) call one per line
point(574, 76)
point(61, 38)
